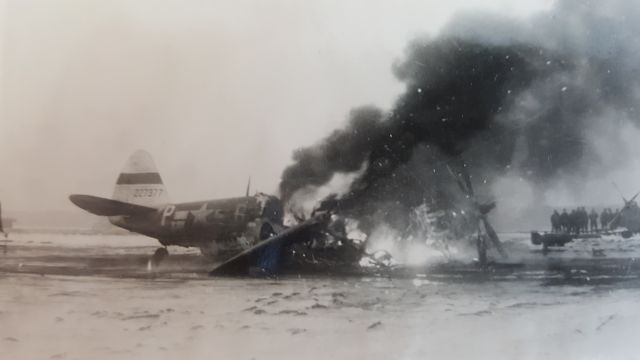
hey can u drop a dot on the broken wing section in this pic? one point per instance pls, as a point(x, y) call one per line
point(266, 255)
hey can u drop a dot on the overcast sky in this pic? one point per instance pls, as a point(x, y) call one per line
point(216, 91)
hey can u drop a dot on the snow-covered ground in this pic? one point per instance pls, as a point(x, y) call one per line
point(191, 316)
point(80, 240)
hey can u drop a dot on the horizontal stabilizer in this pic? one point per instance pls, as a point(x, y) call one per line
point(107, 207)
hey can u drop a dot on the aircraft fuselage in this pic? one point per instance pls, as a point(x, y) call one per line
point(214, 226)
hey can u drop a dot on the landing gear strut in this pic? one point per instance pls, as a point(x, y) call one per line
point(157, 258)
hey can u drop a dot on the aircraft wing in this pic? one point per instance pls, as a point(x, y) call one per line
point(241, 263)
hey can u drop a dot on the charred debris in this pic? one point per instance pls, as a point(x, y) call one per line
point(331, 247)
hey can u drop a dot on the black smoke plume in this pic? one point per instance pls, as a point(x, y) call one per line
point(495, 105)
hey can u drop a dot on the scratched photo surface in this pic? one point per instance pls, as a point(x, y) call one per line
point(319, 180)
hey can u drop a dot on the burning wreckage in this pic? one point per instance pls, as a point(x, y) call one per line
point(329, 242)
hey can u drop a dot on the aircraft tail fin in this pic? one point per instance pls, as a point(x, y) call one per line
point(107, 207)
point(140, 183)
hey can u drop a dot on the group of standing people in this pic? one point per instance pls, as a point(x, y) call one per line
point(580, 221)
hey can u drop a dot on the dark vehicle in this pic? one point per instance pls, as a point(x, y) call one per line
point(550, 239)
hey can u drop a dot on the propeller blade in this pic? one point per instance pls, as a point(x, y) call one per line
point(459, 182)
point(493, 236)
point(620, 192)
point(614, 219)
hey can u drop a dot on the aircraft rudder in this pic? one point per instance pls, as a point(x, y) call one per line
point(140, 182)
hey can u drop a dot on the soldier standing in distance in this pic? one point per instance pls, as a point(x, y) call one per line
point(572, 221)
point(555, 221)
point(577, 220)
point(580, 219)
point(564, 220)
point(593, 219)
